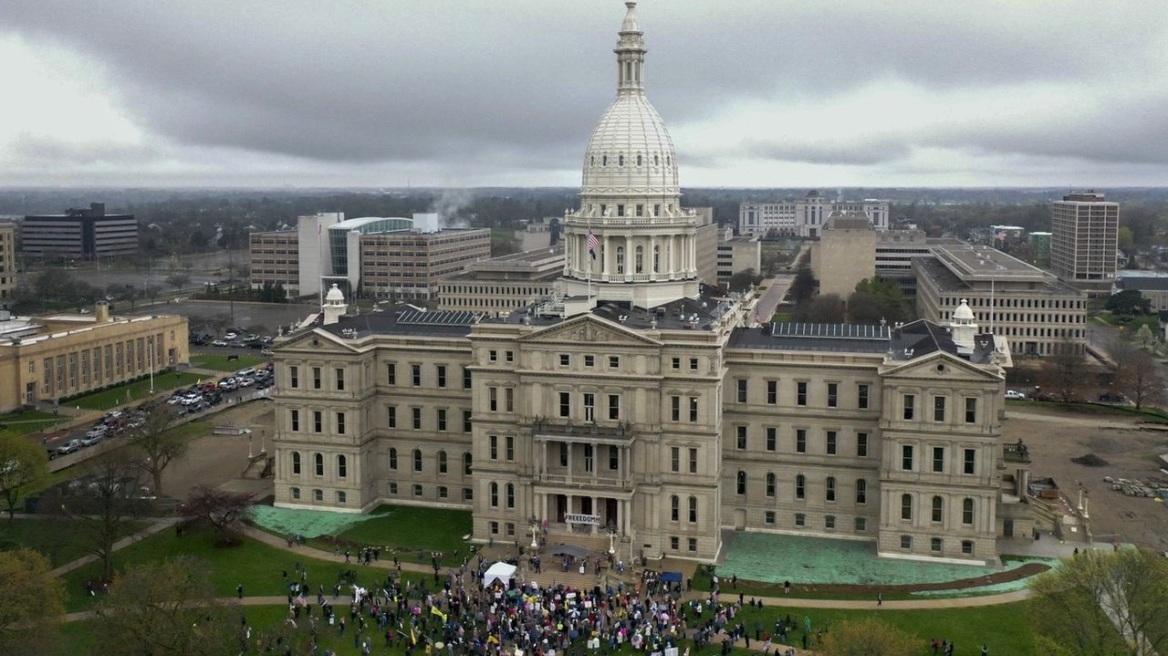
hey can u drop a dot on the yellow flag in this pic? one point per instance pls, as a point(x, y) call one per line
point(434, 611)
point(413, 636)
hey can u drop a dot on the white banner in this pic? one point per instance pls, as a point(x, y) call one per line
point(594, 520)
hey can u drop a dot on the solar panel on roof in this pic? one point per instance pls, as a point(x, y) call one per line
point(414, 317)
point(831, 330)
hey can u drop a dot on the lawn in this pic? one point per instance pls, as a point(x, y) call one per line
point(220, 362)
point(133, 392)
point(407, 530)
point(255, 565)
point(23, 422)
point(52, 537)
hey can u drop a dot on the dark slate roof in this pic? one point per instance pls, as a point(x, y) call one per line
point(921, 337)
point(1142, 283)
point(851, 338)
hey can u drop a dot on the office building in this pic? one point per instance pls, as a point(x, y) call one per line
point(79, 234)
point(806, 216)
point(737, 254)
point(56, 357)
point(503, 284)
point(8, 266)
point(645, 407)
point(845, 255)
point(1084, 239)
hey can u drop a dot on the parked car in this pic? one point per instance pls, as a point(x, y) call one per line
point(219, 342)
point(1015, 395)
point(91, 438)
point(71, 446)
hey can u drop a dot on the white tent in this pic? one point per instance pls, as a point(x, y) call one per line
point(501, 572)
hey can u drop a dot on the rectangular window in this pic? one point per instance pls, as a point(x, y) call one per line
point(693, 409)
point(801, 393)
point(294, 419)
point(466, 426)
point(692, 543)
point(769, 517)
point(861, 445)
point(565, 360)
point(829, 521)
point(565, 404)
point(417, 490)
point(510, 442)
point(614, 407)
point(613, 458)
point(441, 375)
point(939, 459)
point(393, 488)
point(442, 492)
point(833, 395)
point(674, 542)
point(938, 408)
point(675, 459)
point(493, 441)
point(563, 454)
point(510, 356)
point(442, 419)
point(416, 375)
point(906, 458)
point(967, 547)
point(675, 407)
point(589, 407)
point(800, 440)
point(800, 520)
point(969, 461)
point(493, 399)
point(971, 410)
point(909, 406)
point(906, 542)
point(340, 379)
point(340, 423)
point(391, 373)
point(693, 460)
point(492, 356)
point(861, 524)
point(509, 399)
point(391, 416)
point(417, 417)
point(935, 545)
point(832, 443)
point(772, 392)
point(614, 362)
point(293, 376)
point(466, 378)
point(676, 364)
point(693, 510)
point(316, 378)
point(317, 421)
point(862, 397)
point(772, 438)
point(741, 440)
point(693, 364)
point(742, 390)
point(589, 361)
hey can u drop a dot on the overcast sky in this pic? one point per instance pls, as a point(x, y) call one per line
point(774, 93)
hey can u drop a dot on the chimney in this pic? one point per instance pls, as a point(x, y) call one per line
point(101, 312)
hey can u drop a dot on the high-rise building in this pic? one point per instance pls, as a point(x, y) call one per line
point(1084, 238)
point(7, 259)
point(79, 234)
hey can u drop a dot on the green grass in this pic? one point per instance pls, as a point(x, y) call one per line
point(23, 422)
point(219, 362)
point(133, 392)
point(52, 537)
point(254, 564)
point(408, 529)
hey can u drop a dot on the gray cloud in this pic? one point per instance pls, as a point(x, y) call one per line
point(480, 85)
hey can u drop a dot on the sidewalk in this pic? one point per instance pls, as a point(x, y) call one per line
point(156, 527)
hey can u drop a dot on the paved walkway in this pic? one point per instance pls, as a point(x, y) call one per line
point(156, 526)
point(929, 603)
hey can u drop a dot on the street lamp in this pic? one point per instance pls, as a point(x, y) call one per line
point(533, 523)
point(612, 533)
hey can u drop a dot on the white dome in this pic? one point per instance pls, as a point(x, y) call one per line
point(630, 151)
point(963, 313)
point(334, 295)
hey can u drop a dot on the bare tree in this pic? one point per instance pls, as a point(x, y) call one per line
point(104, 503)
point(224, 511)
point(1064, 372)
point(158, 444)
point(178, 280)
point(1137, 375)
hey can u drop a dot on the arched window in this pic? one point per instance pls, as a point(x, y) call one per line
point(674, 508)
point(656, 161)
point(295, 462)
point(861, 491)
point(906, 506)
point(967, 512)
point(620, 161)
point(638, 160)
point(319, 463)
point(938, 509)
point(510, 495)
point(393, 459)
point(800, 487)
point(604, 160)
point(417, 460)
point(829, 492)
point(770, 484)
point(494, 495)
point(741, 482)
point(639, 261)
point(342, 466)
point(441, 462)
point(466, 464)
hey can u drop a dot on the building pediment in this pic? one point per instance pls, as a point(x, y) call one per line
point(589, 329)
point(939, 366)
point(319, 342)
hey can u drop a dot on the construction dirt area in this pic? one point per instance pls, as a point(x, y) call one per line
point(1116, 448)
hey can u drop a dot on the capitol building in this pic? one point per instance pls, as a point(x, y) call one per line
point(640, 406)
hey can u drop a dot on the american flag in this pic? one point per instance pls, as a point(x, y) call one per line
point(593, 244)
